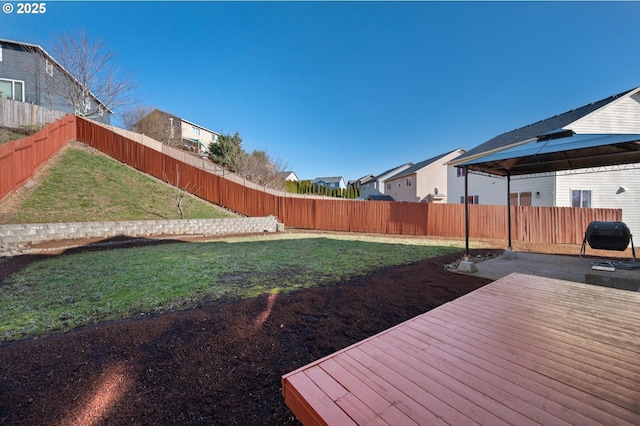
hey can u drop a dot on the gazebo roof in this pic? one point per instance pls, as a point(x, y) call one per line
point(560, 150)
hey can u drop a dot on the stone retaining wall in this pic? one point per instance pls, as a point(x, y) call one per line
point(25, 234)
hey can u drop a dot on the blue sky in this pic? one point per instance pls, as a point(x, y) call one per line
point(352, 88)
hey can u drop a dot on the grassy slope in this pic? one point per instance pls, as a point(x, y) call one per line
point(85, 186)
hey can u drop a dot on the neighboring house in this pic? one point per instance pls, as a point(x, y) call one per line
point(607, 187)
point(290, 176)
point(198, 137)
point(373, 187)
point(173, 130)
point(379, 198)
point(425, 181)
point(330, 182)
point(358, 182)
point(29, 74)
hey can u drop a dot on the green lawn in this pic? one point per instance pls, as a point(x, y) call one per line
point(86, 186)
point(63, 292)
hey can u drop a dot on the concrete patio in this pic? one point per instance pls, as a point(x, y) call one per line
point(569, 268)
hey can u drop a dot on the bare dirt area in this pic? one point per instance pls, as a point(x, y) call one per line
point(215, 364)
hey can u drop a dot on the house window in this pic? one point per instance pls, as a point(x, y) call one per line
point(407, 182)
point(196, 131)
point(12, 89)
point(399, 183)
point(520, 199)
point(0, 53)
point(48, 66)
point(473, 199)
point(389, 186)
point(581, 198)
point(460, 171)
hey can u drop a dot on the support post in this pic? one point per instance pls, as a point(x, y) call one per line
point(509, 253)
point(467, 264)
point(466, 210)
point(509, 209)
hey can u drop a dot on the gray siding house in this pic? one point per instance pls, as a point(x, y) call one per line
point(28, 73)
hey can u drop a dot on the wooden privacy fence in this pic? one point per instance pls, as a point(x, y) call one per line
point(21, 159)
point(530, 224)
point(15, 114)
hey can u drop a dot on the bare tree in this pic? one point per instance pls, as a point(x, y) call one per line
point(96, 76)
point(179, 194)
point(133, 116)
point(256, 166)
point(156, 124)
point(259, 168)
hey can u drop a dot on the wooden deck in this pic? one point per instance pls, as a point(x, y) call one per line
point(521, 350)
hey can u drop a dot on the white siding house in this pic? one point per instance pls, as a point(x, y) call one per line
point(197, 135)
point(290, 176)
point(485, 189)
point(425, 181)
point(616, 188)
point(173, 130)
point(374, 187)
point(606, 187)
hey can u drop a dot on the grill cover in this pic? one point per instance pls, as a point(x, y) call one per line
point(608, 235)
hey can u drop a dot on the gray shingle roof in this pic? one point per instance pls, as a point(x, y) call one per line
point(382, 175)
point(411, 170)
point(379, 198)
point(332, 179)
point(541, 127)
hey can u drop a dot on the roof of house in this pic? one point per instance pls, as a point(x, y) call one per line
point(367, 179)
point(381, 197)
point(384, 174)
point(328, 179)
point(197, 125)
point(45, 53)
point(526, 133)
point(157, 110)
point(287, 174)
point(419, 166)
point(363, 179)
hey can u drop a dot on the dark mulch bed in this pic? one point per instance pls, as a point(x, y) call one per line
point(217, 364)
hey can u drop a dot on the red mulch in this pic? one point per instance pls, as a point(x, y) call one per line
point(215, 364)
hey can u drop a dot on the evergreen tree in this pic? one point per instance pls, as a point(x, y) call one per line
point(227, 151)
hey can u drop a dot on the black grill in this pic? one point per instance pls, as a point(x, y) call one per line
point(608, 236)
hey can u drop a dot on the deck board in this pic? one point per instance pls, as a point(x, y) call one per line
point(521, 350)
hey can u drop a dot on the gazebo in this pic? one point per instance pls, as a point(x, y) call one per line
point(557, 150)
